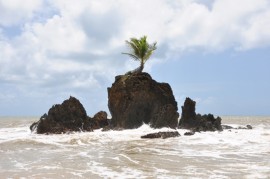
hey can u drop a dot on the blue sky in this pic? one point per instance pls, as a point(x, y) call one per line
point(215, 51)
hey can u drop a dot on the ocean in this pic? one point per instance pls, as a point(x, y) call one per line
point(123, 154)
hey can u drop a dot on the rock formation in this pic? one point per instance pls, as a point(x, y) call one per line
point(197, 122)
point(239, 127)
point(100, 120)
point(162, 135)
point(70, 116)
point(136, 99)
point(189, 133)
point(66, 117)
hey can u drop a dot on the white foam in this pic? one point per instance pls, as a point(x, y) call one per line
point(125, 156)
point(114, 154)
point(107, 172)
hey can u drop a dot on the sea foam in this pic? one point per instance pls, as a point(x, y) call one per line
point(231, 153)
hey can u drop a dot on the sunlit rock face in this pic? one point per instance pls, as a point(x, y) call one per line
point(137, 98)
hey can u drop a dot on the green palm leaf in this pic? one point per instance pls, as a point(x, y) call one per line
point(140, 50)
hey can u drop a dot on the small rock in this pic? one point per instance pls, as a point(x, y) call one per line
point(162, 135)
point(246, 127)
point(189, 133)
point(100, 120)
point(226, 127)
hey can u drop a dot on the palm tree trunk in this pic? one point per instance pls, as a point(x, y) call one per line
point(141, 67)
point(137, 70)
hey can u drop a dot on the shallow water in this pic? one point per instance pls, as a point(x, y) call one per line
point(123, 154)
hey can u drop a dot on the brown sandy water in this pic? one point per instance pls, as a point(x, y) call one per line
point(123, 154)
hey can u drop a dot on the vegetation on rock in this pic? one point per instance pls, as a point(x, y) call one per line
point(140, 50)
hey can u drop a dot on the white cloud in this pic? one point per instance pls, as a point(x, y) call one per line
point(258, 34)
point(222, 26)
point(81, 43)
point(13, 12)
point(57, 35)
point(98, 28)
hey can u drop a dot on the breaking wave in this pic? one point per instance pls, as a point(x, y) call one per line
point(123, 154)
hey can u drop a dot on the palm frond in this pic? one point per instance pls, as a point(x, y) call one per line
point(140, 49)
point(134, 46)
point(134, 57)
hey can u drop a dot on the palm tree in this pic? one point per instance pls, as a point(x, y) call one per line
point(140, 50)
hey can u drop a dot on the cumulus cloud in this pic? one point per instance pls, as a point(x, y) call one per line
point(78, 44)
point(222, 26)
point(13, 12)
point(96, 29)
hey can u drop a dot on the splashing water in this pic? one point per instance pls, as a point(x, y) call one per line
point(123, 154)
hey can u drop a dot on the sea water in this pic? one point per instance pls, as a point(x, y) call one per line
point(123, 154)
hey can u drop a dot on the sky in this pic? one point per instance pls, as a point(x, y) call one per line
point(216, 52)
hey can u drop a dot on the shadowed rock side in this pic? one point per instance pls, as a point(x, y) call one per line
point(100, 120)
point(162, 135)
point(70, 116)
point(197, 122)
point(136, 99)
point(66, 117)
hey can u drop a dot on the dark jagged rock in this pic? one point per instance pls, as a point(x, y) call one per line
point(35, 124)
point(188, 116)
point(136, 99)
point(62, 118)
point(226, 127)
point(162, 135)
point(239, 127)
point(245, 127)
point(100, 120)
point(197, 122)
point(189, 133)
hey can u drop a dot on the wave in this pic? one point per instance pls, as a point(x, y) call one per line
point(233, 137)
point(123, 154)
